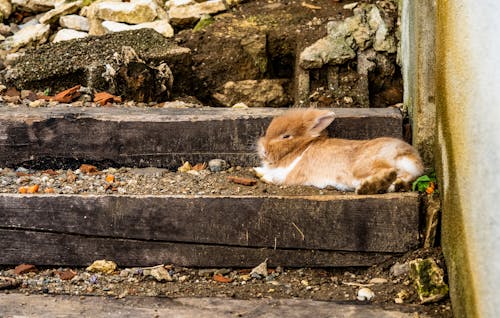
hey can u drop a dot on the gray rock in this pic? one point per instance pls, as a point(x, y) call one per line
point(384, 40)
point(37, 33)
point(84, 61)
point(68, 34)
point(75, 22)
point(217, 165)
point(327, 50)
point(254, 93)
point(399, 269)
point(188, 14)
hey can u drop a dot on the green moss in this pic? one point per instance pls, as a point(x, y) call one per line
point(205, 21)
point(429, 280)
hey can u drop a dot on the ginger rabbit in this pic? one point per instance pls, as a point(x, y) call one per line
point(297, 151)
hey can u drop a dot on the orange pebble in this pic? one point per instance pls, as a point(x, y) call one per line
point(110, 178)
point(33, 189)
point(49, 190)
point(23, 190)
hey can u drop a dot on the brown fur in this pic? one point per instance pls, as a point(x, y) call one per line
point(369, 166)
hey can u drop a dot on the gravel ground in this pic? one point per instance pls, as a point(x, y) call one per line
point(389, 282)
point(151, 181)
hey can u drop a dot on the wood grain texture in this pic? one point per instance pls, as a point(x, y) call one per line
point(380, 223)
point(73, 250)
point(159, 137)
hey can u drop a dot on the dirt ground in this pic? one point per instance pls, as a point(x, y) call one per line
point(286, 27)
point(304, 283)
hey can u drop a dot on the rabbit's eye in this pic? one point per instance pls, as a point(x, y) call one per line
point(286, 136)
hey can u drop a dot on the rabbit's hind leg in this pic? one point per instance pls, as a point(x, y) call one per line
point(380, 182)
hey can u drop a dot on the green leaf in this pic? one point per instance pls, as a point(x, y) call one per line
point(423, 182)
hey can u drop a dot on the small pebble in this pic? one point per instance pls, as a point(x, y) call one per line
point(365, 294)
point(217, 165)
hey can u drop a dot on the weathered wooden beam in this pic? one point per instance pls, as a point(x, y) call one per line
point(43, 248)
point(158, 137)
point(377, 223)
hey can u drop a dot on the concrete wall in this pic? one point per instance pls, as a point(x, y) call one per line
point(468, 99)
point(417, 55)
point(467, 143)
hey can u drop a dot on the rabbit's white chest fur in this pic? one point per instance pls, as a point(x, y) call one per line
point(276, 175)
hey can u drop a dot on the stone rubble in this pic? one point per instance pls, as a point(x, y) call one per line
point(334, 71)
point(97, 18)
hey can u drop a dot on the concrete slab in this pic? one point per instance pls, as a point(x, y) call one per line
point(18, 305)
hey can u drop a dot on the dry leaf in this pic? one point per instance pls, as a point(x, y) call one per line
point(33, 189)
point(85, 168)
point(199, 166)
point(68, 95)
point(103, 98)
point(221, 279)
point(242, 181)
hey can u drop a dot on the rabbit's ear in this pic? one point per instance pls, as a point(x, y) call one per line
point(320, 122)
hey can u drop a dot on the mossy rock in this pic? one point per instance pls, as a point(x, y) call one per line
point(429, 280)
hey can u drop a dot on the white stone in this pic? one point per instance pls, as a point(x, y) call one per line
point(31, 33)
point(365, 294)
point(129, 12)
point(383, 40)
point(186, 14)
point(160, 26)
point(179, 3)
point(350, 6)
point(75, 22)
point(54, 14)
point(69, 34)
point(34, 5)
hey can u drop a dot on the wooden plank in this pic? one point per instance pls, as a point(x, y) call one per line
point(42, 248)
point(377, 223)
point(158, 137)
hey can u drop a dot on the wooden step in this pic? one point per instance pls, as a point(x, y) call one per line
point(207, 231)
point(162, 137)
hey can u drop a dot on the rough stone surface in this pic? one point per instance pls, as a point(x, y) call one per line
point(254, 93)
point(345, 36)
point(37, 33)
point(160, 26)
point(188, 14)
point(34, 5)
point(326, 51)
point(64, 9)
point(68, 34)
point(83, 61)
point(384, 40)
point(129, 12)
point(5, 9)
point(75, 22)
point(428, 278)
